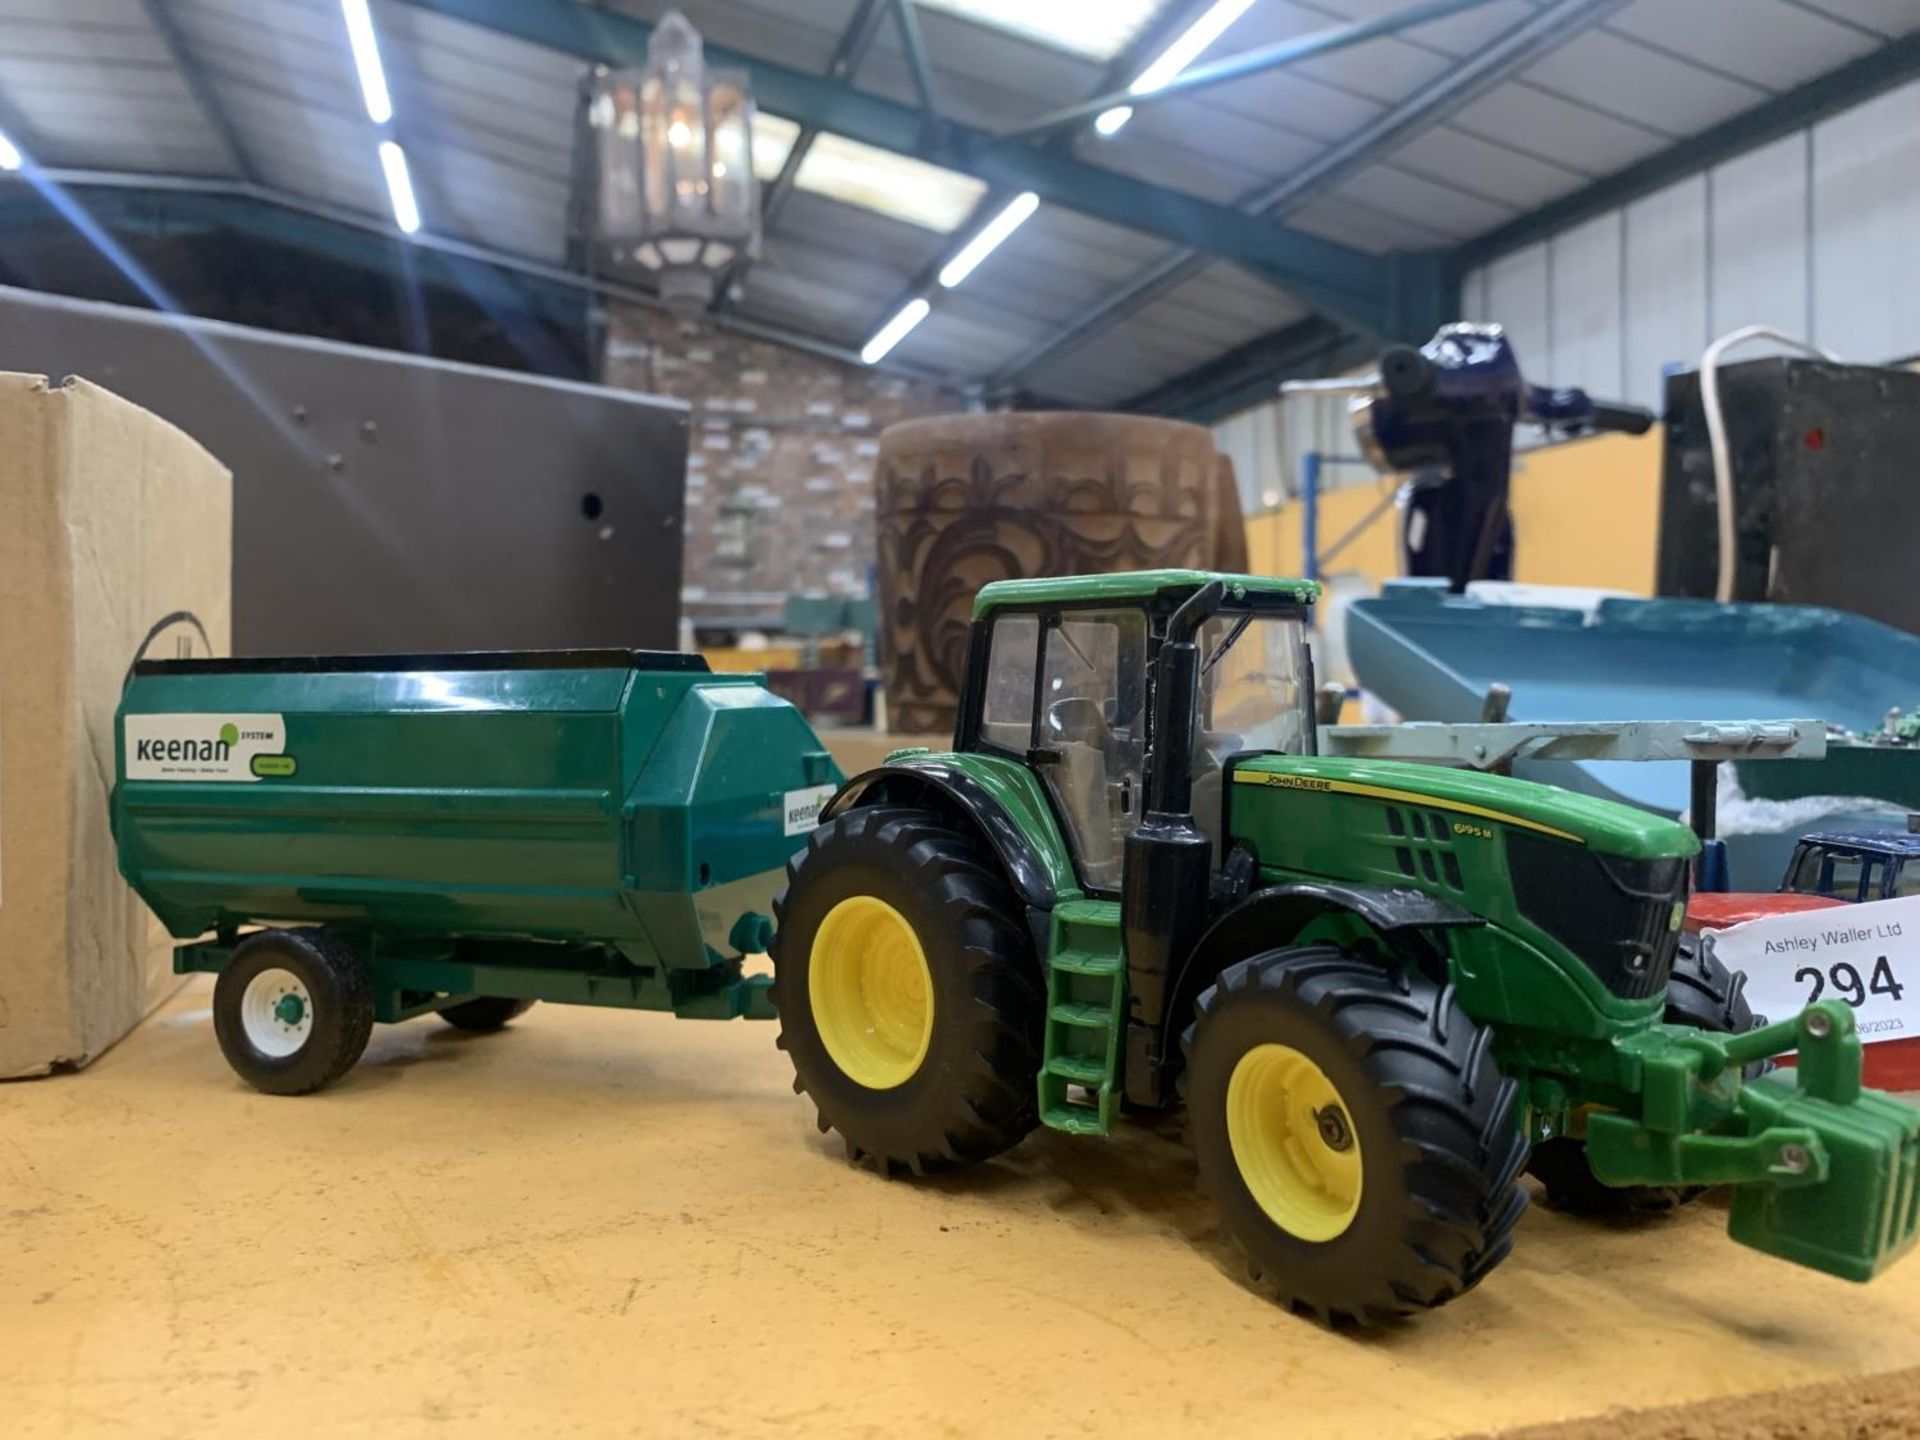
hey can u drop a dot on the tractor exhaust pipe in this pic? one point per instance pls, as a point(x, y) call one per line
point(1164, 888)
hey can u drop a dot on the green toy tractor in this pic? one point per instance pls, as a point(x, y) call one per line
point(1381, 989)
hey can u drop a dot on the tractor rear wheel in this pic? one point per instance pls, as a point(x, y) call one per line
point(910, 1002)
point(1352, 1128)
point(486, 1013)
point(1703, 993)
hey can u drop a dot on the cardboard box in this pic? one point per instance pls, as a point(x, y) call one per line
point(111, 520)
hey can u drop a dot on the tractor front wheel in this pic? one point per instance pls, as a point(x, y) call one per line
point(910, 1003)
point(1352, 1128)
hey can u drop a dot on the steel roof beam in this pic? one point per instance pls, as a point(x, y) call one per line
point(856, 39)
point(862, 29)
point(996, 198)
point(1257, 61)
point(1494, 63)
point(1245, 375)
point(199, 85)
point(1330, 276)
point(918, 65)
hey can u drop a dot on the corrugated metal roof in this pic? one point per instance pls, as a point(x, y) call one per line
point(488, 124)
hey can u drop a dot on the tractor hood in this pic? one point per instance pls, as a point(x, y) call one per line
point(1607, 827)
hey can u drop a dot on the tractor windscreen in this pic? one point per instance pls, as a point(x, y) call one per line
point(1253, 696)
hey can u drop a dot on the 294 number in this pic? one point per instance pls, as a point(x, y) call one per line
point(1844, 977)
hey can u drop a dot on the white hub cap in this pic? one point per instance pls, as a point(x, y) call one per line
point(276, 1012)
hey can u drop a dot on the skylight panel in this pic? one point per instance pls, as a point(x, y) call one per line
point(889, 184)
point(773, 137)
point(1098, 29)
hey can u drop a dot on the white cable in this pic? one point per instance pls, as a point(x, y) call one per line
point(1717, 435)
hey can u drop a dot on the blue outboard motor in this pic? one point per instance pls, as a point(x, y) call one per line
point(1446, 413)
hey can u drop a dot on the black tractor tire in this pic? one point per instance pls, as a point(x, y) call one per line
point(293, 1010)
point(1700, 992)
point(1438, 1188)
point(1703, 992)
point(485, 1014)
point(973, 1093)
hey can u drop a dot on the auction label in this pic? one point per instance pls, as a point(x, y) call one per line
point(1867, 955)
point(213, 746)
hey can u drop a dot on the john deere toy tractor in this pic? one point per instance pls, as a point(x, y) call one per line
point(1380, 988)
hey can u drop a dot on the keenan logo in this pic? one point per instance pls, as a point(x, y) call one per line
point(204, 752)
point(206, 747)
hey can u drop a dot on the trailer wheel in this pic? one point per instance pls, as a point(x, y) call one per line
point(486, 1014)
point(1703, 993)
point(1353, 1131)
point(292, 1010)
point(909, 999)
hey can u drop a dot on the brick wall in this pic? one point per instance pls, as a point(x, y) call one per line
point(780, 462)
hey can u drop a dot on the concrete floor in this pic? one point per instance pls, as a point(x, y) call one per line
point(602, 1223)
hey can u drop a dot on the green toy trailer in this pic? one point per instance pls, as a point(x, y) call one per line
point(1381, 989)
point(464, 834)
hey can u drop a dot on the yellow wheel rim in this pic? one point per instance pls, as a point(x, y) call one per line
point(871, 992)
point(1293, 1141)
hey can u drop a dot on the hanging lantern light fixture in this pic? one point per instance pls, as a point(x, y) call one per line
point(676, 196)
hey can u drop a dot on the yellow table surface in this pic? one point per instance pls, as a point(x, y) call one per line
point(601, 1223)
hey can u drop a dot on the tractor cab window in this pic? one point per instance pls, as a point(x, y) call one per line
point(1006, 713)
point(1906, 880)
point(1803, 875)
point(1093, 724)
point(1253, 696)
point(1849, 875)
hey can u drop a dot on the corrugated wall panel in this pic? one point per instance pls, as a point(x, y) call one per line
point(1866, 200)
point(1517, 299)
point(1586, 310)
point(1665, 314)
point(1759, 240)
point(1473, 296)
point(1813, 234)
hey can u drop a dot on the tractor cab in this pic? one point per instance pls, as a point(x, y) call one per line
point(1855, 865)
point(1060, 677)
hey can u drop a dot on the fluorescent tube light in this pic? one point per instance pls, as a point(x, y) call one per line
point(9, 153)
point(1188, 48)
point(894, 331)
point(406, 209)
point(366, 59)
point(990, 238)
point(1176, 57)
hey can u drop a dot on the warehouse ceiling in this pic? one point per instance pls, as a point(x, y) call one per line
point(1274, 215)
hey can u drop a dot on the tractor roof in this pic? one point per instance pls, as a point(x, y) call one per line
point(1879, 842)
point(1132, 585)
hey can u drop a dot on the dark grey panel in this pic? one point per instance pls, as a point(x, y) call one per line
point(1823, 475)
point(388, 503)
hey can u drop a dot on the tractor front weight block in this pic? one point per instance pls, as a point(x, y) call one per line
point(1826, 1174)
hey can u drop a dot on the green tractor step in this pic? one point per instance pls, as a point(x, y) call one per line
point(1086, 1009)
